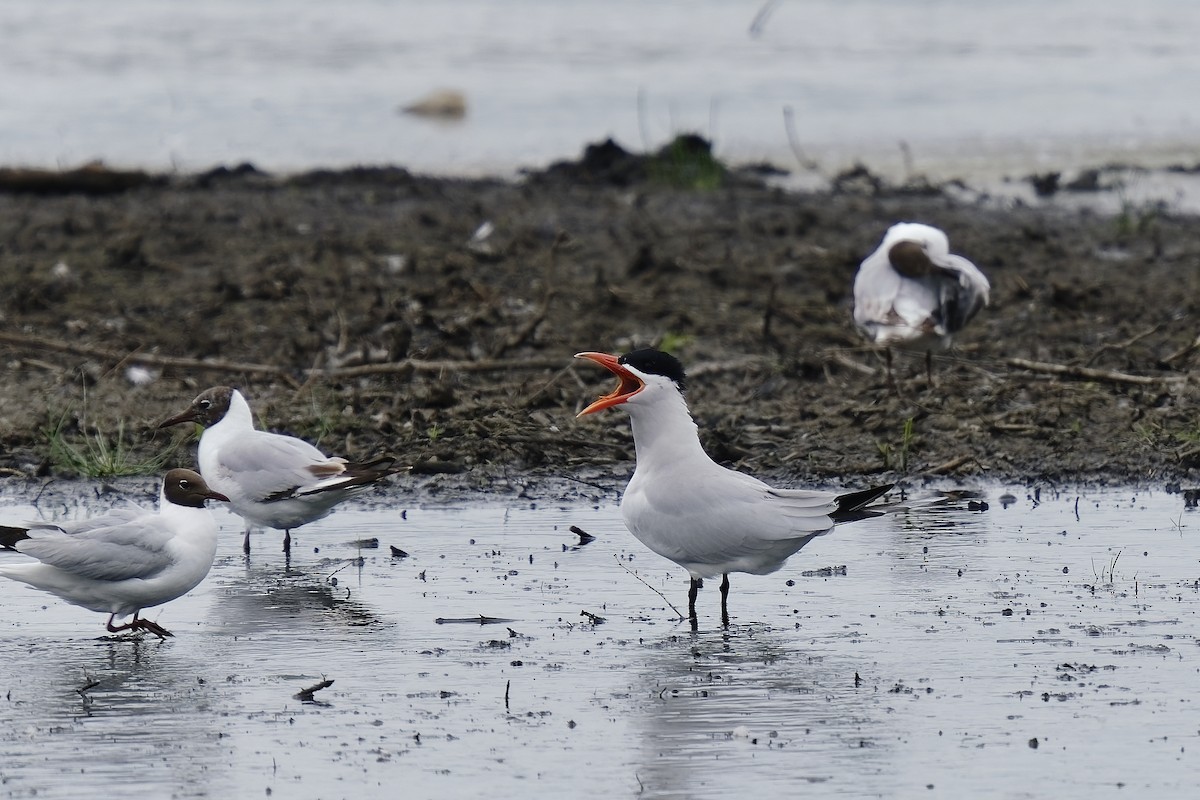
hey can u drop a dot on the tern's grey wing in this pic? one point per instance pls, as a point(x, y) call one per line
point(722, 515)
point(118, 551)
point(804, 501)
point(269, 466)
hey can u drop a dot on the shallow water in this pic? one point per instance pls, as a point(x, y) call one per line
point(953, 641)
point(290, 85)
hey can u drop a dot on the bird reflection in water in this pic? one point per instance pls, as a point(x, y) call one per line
point(317, 595)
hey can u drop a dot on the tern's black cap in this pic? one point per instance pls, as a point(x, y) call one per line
point(656, 362)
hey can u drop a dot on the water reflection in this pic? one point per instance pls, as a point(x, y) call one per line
point(148, 718)
point(752, 698)
point(265, 596)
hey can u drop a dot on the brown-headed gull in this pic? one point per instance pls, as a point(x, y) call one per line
point(707, 518)
point(913, 293)
point(271, 480)
point(127, 559)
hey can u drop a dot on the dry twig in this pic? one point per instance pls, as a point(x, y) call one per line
point(1089, 373)
point(1121, 345)
point(217, 365)
point(651, 588)
point(843, 360)
point(151, 359)
point(952, 464)
point(1183, 352)
point(307, 694)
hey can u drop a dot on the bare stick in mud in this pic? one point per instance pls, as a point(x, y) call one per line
point(584, 536)
point(307, 694)
point(1125, 345)
point(214, 365)
point(651, 588)
point(952, 464)
point(1183, 352)
point(439, 367)
point(1093, 374)
point(151, 359)
point(844, 360)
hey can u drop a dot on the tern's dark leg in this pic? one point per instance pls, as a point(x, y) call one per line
point(692, 591)
point(725, 599)
point(287, 542)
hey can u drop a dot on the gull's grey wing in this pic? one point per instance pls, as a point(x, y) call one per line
point(270, 467)
point(118, 516)
point(113, 547)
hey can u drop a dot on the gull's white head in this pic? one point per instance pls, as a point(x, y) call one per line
point(930, 239)
point(644, 377)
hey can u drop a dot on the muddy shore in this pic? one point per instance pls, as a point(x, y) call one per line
point(374, 310)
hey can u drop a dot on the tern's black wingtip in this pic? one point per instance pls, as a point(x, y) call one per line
point(10, 536)
point(856, 501)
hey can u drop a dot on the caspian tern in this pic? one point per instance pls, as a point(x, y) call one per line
point(707, 518)
point(913, 293)
point(272, 480)
point(126, 560)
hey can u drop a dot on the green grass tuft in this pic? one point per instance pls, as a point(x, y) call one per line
point(97, 455)
point(687, 162)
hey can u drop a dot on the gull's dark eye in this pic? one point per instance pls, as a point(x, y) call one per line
point(184, 484)
point(204, 404)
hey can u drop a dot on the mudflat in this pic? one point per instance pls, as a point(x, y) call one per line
point(373, 310)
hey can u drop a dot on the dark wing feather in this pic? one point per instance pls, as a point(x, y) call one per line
point(852, 506)
point(10, 536)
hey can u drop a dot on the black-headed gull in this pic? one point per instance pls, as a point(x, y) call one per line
point(271, 480)
point(707, 518)
point(913, 293)
point(126, 560)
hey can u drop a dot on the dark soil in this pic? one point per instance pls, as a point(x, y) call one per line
point(381, 322)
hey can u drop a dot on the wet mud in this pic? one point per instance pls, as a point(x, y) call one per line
point(374, 310)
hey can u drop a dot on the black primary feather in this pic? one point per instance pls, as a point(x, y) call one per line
point(10, 536)
point(850, 507)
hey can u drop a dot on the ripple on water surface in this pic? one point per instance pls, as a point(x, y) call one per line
point(1044, 646)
